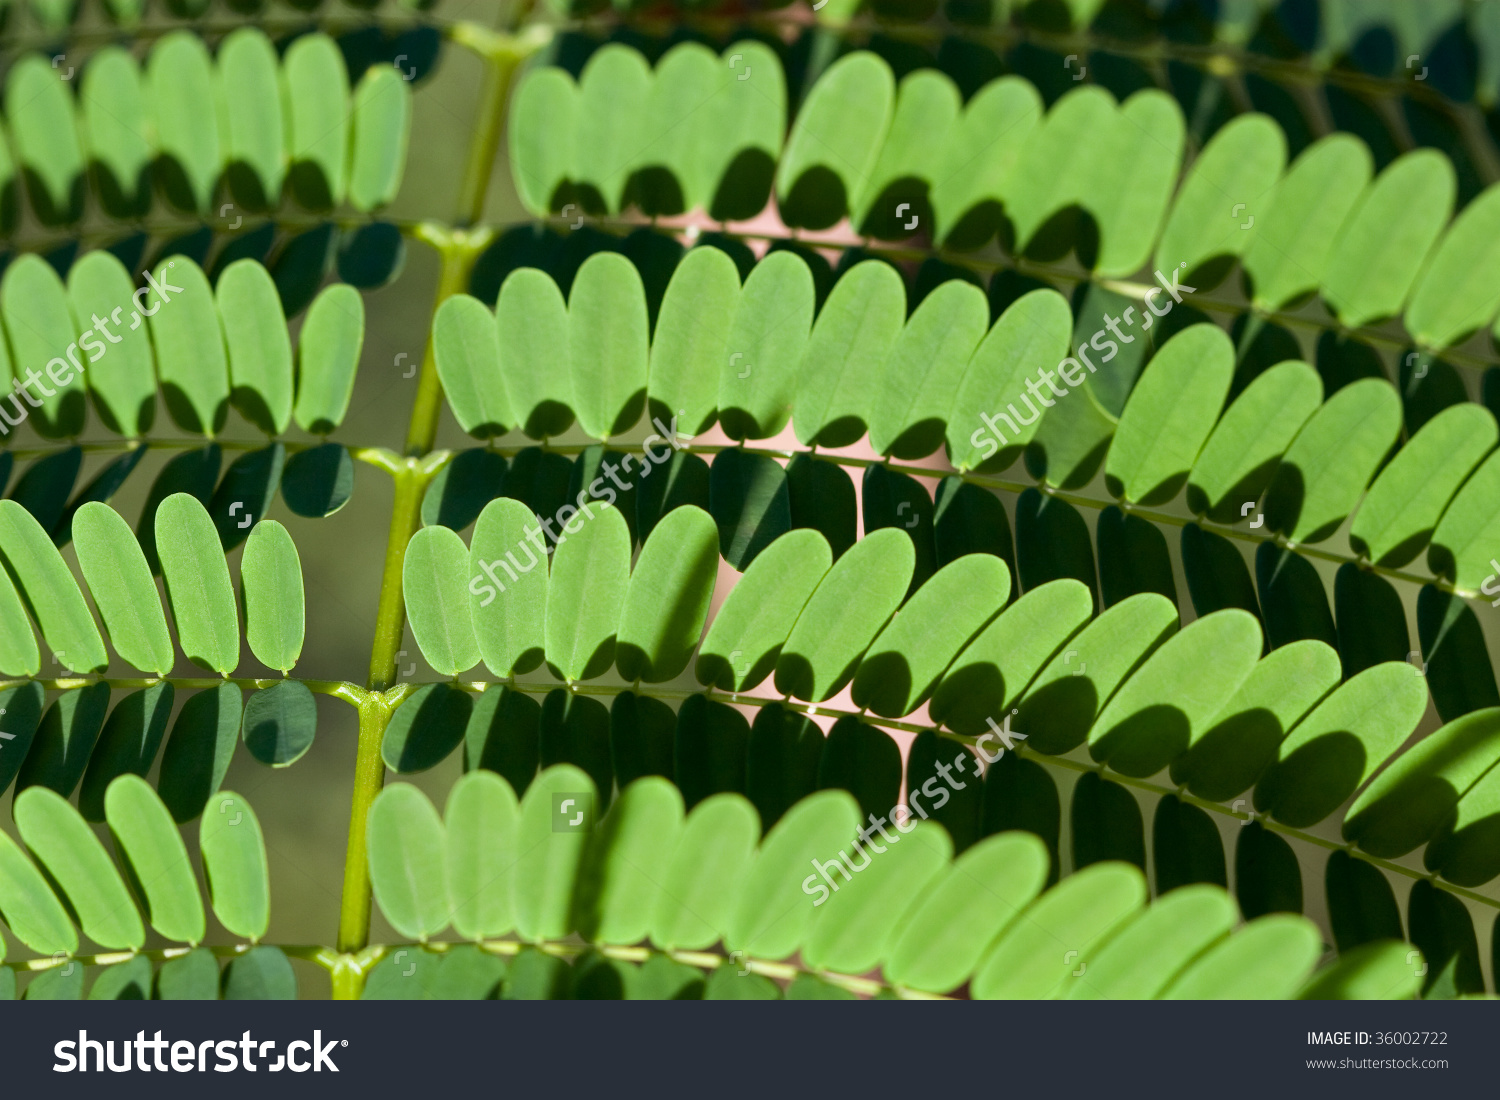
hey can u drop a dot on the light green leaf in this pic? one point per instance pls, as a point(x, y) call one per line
point(1341, 743)
point(198, 586)
point(123, 589)
point(1464, 543)
point(1267, 960)
point(608, 342)
point(190, 357)
point(466, 347)
point(1049, 946)
point(586, 594)
point(545, 105)
point(766, 343)
point(234, 865)
point(18, 652)
point(1333, 458)
point(1240, 456)
point(1380, 971)
point(315, 90)
point(435, 582)
point(557, 813)
point(927, 109)
point(271, 596)
point(851, 604)
point(28, 905)
point(703, 879)
point(1294, 235)
point(1387, 236)
point(666, 601)
point(1141, 960)
point(381, 128)
point(509, 604)
point(40, 325)
point(692, 338)
point(775, 909)
point(983, 148)
point(42, 578)
point(481, 819)
point(620, 880)
point(327, 357)
point(112, 119)
point(249, 88)
point(533, 326)
point(155, 858)
point(180, 80)
point(260, 352)
point(63, 843)
point(45, 132)
point(408, 845)
point(608, 129)
point(124, 385)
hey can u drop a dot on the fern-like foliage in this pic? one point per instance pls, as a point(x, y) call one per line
point(965, 500)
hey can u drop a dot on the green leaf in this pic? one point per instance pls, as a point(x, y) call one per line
point(434, 578)
point(1141, 960)
point(691, 338)
point(675, 573)
point(1399, 513)
point(987, 678)
point(851, 604)
point(945, 932)
point(1132, 184)
point(751, 503)
point(58, 983)
point(502, 736)
point(28, 905)
point(1380, 971)
point(545, 105)
point(198, 585)
point(1462, 545)
point(261, 974)
point(1333, 458)
point(466, 348)
point(741, 132)
point(766, 343)
point(1049, 946)
point(1057, 168)
point(983, 148)
point(612, 93)
point(1361, 904)
point(1268, 959)
point(862, 923)
point(855, 330)
point(1061, 704)
point(1295, 235)
point(40, 325)
point(908, 658)
point(124, 390)
point(63, 843)
point(629, 854)
point(927, 108)
point(1169, 702)
point(533, 325)
point(750, 627)
point(585, 597)
point(1230, 752)
point(1387, 236)
point(64, 740)
point(190, 356)
point(49, 590)
point(704, 874)
point(608, 341)
point(271, 596)
point(835, 140)
point(481, 819)
point(1420, 792)
point(180, 81)
point(155, 858)
point(1239, 459)
point(380, 129)
point(1169, 416)
point(193, 472)
point(557, 813)
point(820, 495)
point(327, 357)
point(45, 132)
point(124, 591)
point(1031, 336)
point(1071, 441)
point(908, 417)
point(234, 865)
point(18, 652)
point(279, 723)
point(131, 736)
point(427, 726)
point(407, 845)
point(112, 109)
point(315, 89)
point(774, 913)
point(1241, 164)
point(260, 352)
point(199, 750)
point(1341, 743)
point(510, 630)
point(248, 87)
